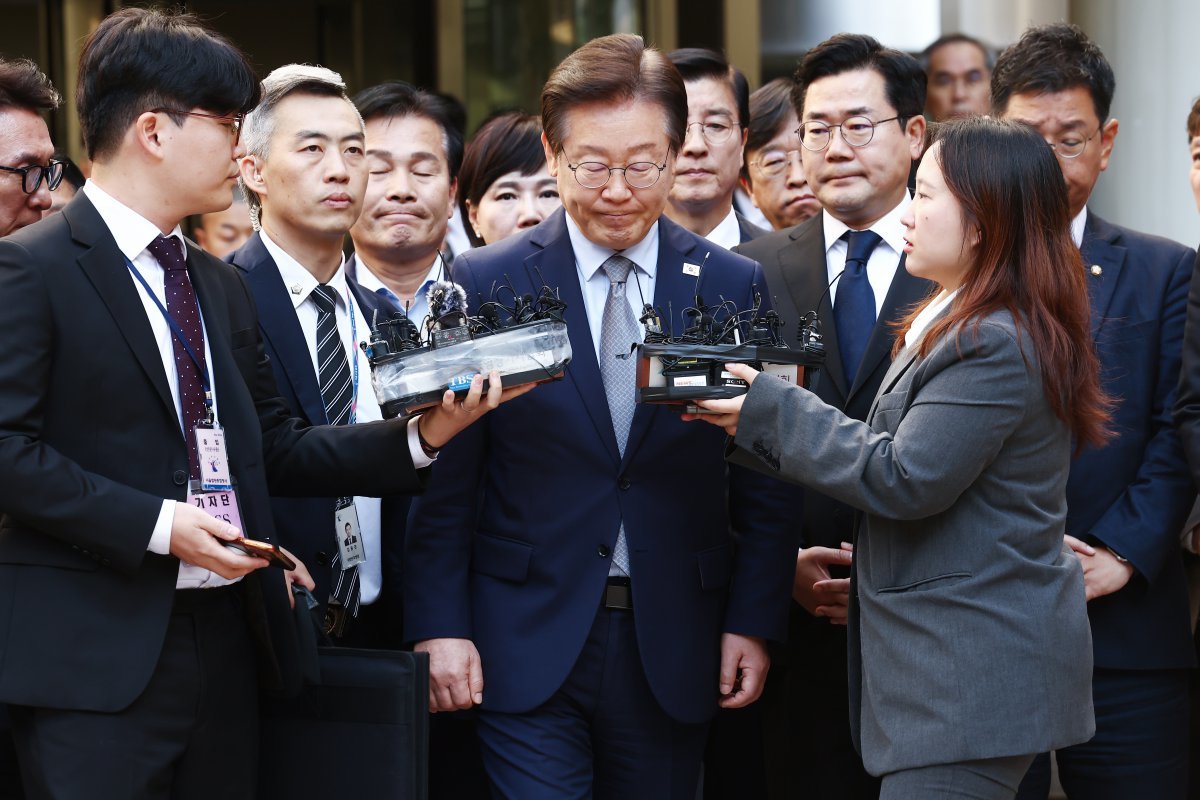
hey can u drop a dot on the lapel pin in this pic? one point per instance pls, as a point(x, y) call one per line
point(691, 269)
point(295, 288)
point(1096, 271)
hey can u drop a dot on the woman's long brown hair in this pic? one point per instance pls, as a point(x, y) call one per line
point(1009, 185)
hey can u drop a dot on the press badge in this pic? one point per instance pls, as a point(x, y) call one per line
point(349, 539)
point(222, 504)
point(214, 462)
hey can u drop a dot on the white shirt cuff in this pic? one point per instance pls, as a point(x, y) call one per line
point(160, 539)
point(419, 459)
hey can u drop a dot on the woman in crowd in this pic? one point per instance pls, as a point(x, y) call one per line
point(504, 185)
point(970, 648)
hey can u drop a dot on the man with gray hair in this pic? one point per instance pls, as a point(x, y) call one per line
point(304, 175)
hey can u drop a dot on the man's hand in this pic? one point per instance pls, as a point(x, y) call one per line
point(744, 665)
point(455, 674)
point(1102, 572)
point(441, 423)
point(298, 575)
point(725, 413)
point(196, 538)
point(813, 588)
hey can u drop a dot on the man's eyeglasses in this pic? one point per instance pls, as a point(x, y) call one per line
point(856, 132)
point(32, 176)
point(713, 132)
point(774, 163)
point(638, 175)
point(1072, 145)
point(234, 121)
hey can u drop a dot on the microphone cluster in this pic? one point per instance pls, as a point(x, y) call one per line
point(678, 370)
point(412, 365)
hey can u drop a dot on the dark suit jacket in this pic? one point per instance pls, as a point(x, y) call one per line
point(793, 262)
point(1133, 494)
point(747, 229)
point(305, 524)
point(90, 445)
point(511, 547)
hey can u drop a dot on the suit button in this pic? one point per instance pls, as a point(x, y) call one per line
point(323, 558)
point(602, 551)
point(180, 477)
point(624, 483)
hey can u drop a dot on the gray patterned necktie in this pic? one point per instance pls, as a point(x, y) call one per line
point(618, 368)
point(337, 392)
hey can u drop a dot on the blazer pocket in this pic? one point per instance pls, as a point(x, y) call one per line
point(716, 566)
point(928, 584)
point(506, 559)
point(891, 400)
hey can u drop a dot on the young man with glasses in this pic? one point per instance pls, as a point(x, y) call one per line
point(860, 129)
point(28, 173)
point(1126, 501)
point(572, 569)
point(706, 173)
point(134, 640)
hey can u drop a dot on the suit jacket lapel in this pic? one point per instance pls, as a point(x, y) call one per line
point(105, 267)
point(1101, 249)
point(280, 326)
point(674, 289)
point(804, 268)
point(555, 259)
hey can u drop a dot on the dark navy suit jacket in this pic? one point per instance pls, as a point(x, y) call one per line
point(305, 524)
point(1133, 494)
point(511, 547)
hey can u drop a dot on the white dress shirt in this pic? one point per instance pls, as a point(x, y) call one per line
point(916, 331)
point(593, 282)
point(353, 329)
point(884, 260)
point(419, 307)
point(1077, 225)
point(728, 233)
point(133, 233)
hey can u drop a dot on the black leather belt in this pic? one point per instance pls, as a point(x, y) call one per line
point(618, 594)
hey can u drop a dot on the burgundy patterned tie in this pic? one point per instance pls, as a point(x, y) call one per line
point(182, 306)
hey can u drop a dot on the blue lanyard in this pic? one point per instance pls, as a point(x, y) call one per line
point(201, 367)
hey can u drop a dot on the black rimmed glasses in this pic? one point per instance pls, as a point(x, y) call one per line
point(1072, 145)
point(856, 132)
point(33, 175)
point(234, 121)
point(638, 175)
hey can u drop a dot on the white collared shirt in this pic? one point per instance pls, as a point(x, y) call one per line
point(884, 260)
point(353, 327)
point(1077, 226)
point(133, 233)
point(728, 233)
point(916, 331)
point(593, 282)
point(419, 307)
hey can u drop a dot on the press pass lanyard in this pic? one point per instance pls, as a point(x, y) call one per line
point(177, 331)
point(353, 356)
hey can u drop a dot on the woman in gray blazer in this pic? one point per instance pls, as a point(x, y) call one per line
point(969, 642)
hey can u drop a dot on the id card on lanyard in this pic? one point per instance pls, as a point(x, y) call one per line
point(214, 492)
point(345, 517)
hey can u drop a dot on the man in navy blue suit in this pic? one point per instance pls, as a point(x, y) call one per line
point(589, 574)
point(1127, 500)
point(305, 174)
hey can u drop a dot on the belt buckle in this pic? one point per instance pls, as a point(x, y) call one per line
point(335, 620)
